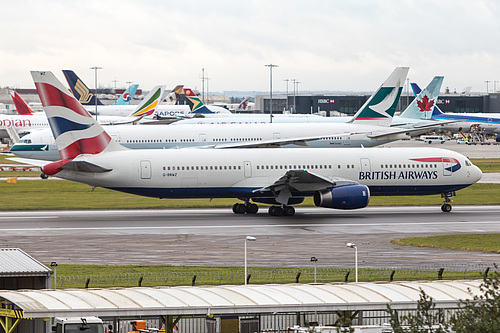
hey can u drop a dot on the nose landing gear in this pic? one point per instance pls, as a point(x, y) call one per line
point(446, 206)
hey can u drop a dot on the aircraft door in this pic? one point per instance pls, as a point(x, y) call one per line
point(365, 165)
point(276, 135)
point(447, 166)
point(145, 169)
point(247, 165)
point(203, 137)
point(347, 140)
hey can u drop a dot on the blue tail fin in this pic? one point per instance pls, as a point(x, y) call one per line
point(422, 106)
point(127, 96)
point(81, 92)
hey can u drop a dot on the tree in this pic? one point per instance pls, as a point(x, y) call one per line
point(482, 313)
point(426, 319)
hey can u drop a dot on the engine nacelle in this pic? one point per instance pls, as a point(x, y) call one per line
point(343, 197)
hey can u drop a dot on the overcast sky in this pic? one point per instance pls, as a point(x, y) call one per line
point(325, 44)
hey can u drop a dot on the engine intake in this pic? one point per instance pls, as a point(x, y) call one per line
point(343, 197)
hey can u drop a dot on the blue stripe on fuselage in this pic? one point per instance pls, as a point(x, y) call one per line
point(245, 192)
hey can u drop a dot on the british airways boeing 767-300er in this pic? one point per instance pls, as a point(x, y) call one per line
point(336, 178)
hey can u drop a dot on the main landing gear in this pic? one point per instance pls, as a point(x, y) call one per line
point(446, 206)
point(281, 210)
point(251, 208)
point(247, 208)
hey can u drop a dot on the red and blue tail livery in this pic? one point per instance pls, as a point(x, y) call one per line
point(75, 132)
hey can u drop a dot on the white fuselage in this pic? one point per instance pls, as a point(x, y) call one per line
point(162, 110)
point(27, 123)
point(41, 144)
point(238, 173)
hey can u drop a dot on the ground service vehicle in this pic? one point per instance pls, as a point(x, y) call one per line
point(78, 324)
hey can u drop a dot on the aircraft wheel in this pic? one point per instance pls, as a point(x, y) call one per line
point(252, 209)
point(275, 211)
point(44, 176)
point(288, 211)
point(446, 207)
point(239, 208)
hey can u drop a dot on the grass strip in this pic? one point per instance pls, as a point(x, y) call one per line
point(49, 195)
point(105, 276)
point(462, 242)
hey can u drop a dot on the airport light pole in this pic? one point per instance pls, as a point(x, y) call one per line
point(487, 82)
point(54, 264)
point(315, 260)
point(295, 89)
point(353, 246)
point(271, 89)
point(95, 68)
point(286, 80)
point(248, 238)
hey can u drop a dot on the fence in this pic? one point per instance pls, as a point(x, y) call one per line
point(267, 276)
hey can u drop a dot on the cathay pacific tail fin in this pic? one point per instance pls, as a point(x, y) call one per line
point(381, 106)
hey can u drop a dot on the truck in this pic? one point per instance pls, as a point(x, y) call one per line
point(78, 324)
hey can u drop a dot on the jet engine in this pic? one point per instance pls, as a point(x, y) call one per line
point(343, 197)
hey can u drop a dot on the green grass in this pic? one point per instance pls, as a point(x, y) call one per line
point(102, 276)
point(460, 242)
point(487, 164)
point(61, 194)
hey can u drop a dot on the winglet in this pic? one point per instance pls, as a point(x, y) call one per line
point(80, 90)
point(149, 103)
point(21, 106)
point(127, 96)
point(381, 106)
point(74, 129)
point(195, 102)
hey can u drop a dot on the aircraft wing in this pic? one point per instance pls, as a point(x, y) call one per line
point(415, 128)
point(273, 143)
point(29, 161)
point(303, 181)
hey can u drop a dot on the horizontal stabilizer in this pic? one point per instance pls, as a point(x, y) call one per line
point(84, 166)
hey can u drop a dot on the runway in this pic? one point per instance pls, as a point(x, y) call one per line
point(216, 236)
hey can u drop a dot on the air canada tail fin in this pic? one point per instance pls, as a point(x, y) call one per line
point(150, 103)
point(381, 106)
point(243, 105)
point(436, 111)
point(80, 90)
point(74, 129)
point(195, 102)
point(175, 94)
point(21, 107)
point(424, 104)
point(127, 96)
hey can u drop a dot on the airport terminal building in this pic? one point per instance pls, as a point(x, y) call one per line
point(348, 104)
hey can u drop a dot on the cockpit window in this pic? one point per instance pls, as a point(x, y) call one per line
point(468, 163)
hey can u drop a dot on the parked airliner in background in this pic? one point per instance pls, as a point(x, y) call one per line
point(86, 97)
point(15, 126)
point(488, 123)
point(22, 108)
point(336, 178)
point(41, 145)
point(128, 95)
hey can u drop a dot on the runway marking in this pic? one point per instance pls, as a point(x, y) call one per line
point(236, 226)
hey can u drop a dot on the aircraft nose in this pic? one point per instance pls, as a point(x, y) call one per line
point(476, 174)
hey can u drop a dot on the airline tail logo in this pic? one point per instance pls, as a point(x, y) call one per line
point(198, 106)
point(85, 94)
point(149, 107)
point(21, 106)
point(75, 131)
point(127, 97)
point(425, 104)
point(450, 164)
